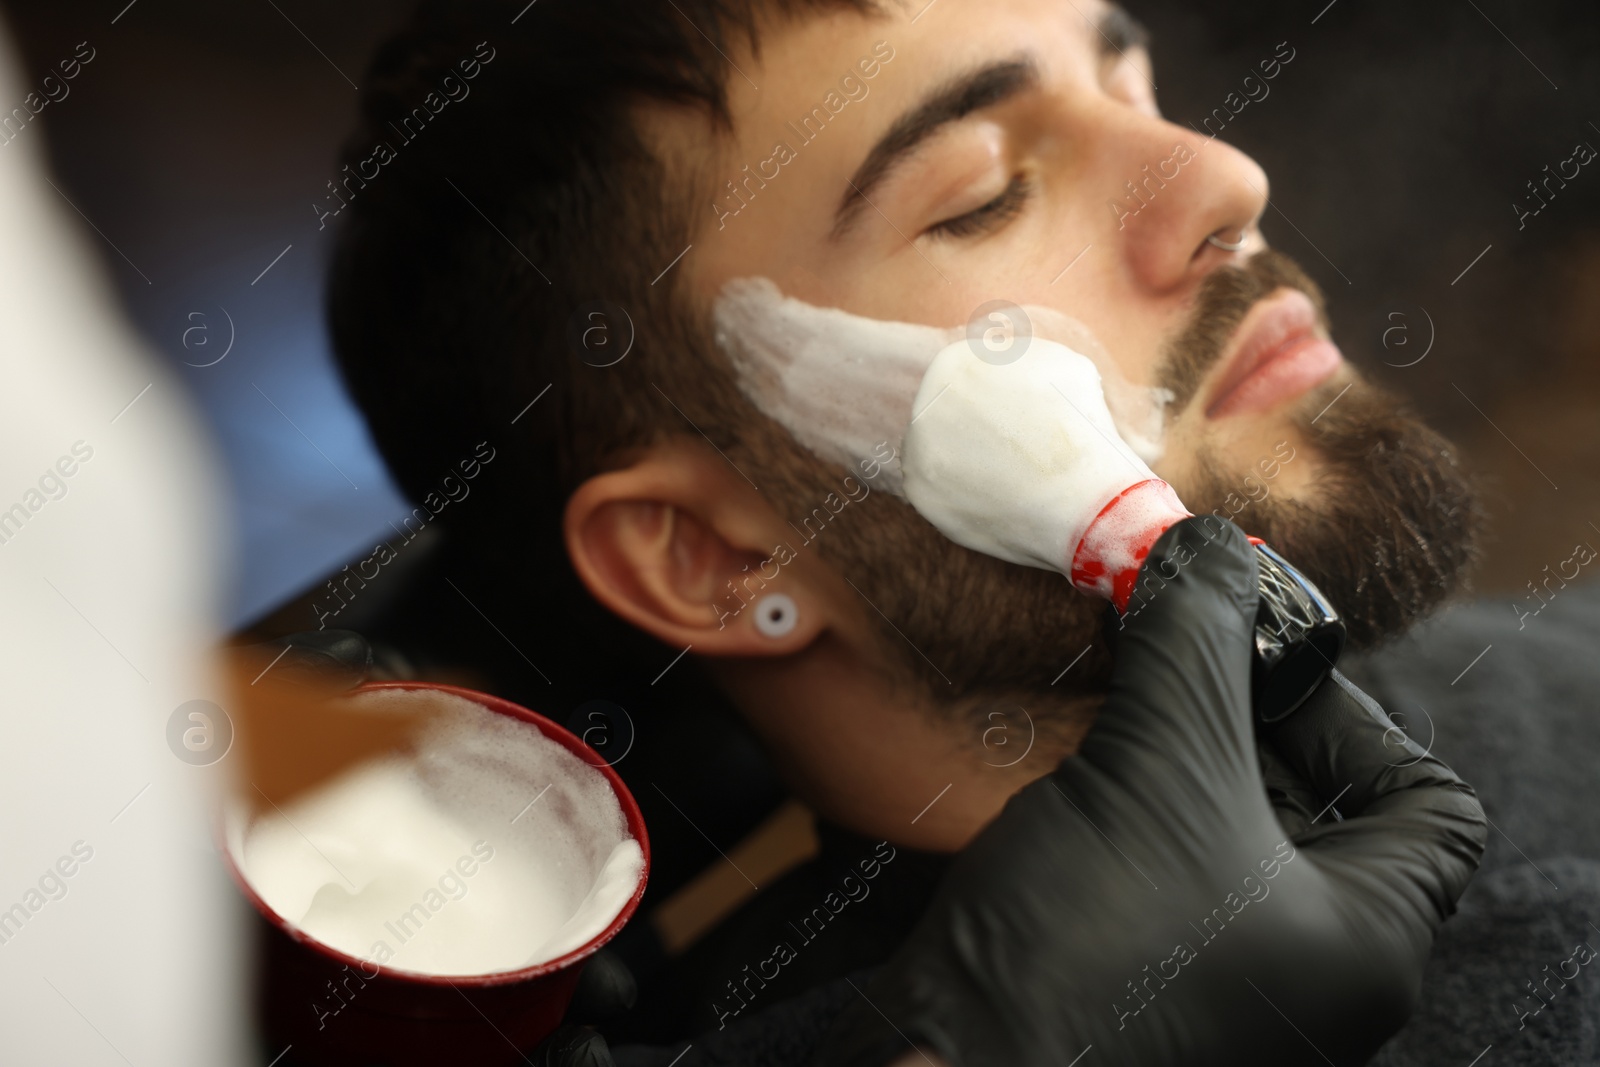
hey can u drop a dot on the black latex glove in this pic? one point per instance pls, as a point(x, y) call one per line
point(606, 990)
point(1145, 899)
point(326, 660)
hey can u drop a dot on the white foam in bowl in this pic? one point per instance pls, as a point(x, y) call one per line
point(491, 849)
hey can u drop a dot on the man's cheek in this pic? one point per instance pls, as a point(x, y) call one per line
point(855, 90)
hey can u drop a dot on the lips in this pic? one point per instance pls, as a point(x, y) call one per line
point(1279, 354)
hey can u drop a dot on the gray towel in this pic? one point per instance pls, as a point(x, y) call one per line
point(1522, 724)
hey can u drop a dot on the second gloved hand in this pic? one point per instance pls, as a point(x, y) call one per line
point(1145, 902)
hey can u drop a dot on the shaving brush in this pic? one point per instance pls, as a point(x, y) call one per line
point(1018, 458)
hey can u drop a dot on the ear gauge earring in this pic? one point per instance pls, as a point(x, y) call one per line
point(1228, 246)
point(776, 615)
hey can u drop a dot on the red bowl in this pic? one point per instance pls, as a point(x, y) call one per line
point(335, 1009)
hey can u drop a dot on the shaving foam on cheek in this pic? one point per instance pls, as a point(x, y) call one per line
point(1022, 461)
point(840, 383)
point(843, 384)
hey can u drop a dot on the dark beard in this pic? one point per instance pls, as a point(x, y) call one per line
point(1393, 526)
point(1396, 526)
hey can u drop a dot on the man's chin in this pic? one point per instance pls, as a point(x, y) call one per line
point(1381, 516)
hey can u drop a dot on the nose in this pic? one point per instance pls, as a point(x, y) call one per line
point(1174, 189)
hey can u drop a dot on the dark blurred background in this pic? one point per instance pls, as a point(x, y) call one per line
point(1398, 142)
point(195, 142)
point(1398, 139)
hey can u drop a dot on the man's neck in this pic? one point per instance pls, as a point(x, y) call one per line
point(879, 759)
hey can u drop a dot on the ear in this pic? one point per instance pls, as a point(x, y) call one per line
point(679, 544)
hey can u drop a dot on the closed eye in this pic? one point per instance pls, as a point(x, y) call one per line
point(990, 216)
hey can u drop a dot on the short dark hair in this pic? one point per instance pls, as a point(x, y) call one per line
point(465, 264)
point(464, 269)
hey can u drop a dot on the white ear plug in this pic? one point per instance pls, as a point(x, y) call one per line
point(776, 615)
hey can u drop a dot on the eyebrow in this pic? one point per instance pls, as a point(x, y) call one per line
point(985, 87)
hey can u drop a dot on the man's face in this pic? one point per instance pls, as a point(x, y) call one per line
point(981, 162)
point(1014, 151)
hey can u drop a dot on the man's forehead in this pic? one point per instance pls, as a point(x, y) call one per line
point(797, 48)
point(796, 53)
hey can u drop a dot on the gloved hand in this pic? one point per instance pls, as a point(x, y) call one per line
point(1145, 900)
point(606, 991)
point(325, 660)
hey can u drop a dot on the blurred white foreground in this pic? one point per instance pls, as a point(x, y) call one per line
point(118, 934)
